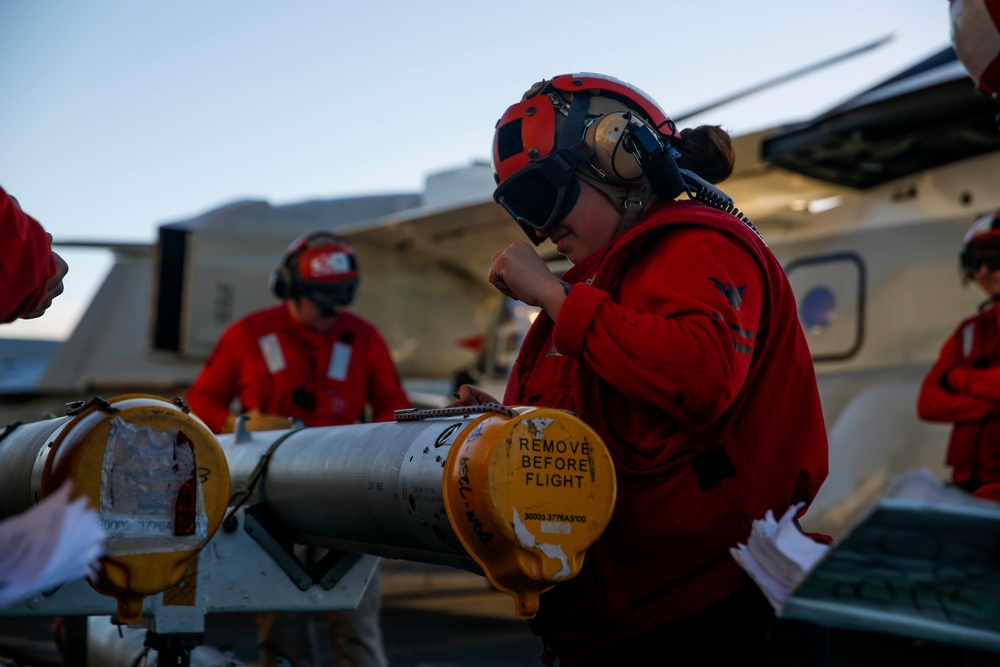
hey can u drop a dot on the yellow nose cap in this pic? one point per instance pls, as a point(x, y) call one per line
point(527, 496)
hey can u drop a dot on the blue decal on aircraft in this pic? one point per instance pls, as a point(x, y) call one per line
point(817, 308)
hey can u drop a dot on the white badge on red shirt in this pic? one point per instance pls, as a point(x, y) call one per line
point(340, 359)
point(271, 349)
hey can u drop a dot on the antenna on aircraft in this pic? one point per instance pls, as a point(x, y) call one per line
point(808, 69)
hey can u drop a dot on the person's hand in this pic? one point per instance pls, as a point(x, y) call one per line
point(471, 395)
point(55, 287)
point(258, 421)
point(518, 272)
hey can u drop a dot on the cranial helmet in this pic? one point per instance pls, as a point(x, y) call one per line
point(975, 35)
point(581, 126)
point(981, 245)
point(319, 266)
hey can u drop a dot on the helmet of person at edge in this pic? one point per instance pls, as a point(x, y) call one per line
point(569, 126)
point(975, 36)
point(320, 267)
point(981, 245)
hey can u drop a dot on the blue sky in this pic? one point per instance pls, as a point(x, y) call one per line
point(117, 117)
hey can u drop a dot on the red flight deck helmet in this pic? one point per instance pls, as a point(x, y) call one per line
point(981, 245)
point(586, 125)
point(319, 266)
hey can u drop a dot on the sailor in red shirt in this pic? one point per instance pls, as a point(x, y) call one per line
point(675, 336)
point(308, 359)
point(963, 386)
point(31, 274)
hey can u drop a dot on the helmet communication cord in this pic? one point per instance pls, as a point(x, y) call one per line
point(700, 189)
point(668, 180)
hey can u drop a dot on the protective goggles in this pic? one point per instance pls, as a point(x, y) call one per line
point(541, 194)
point(974, 258)
point(327, 296)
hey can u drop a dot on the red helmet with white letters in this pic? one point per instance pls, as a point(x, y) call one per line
point(319, 266)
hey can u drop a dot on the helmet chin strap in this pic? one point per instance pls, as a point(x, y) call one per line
point(630, 201)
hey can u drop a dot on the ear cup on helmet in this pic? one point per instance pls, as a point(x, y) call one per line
point(606, 138)
point(282, 283)
point(627, 150)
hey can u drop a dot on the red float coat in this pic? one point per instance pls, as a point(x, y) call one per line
point(685, 354)
point(963, 387)
point(27, 265)
point(264, 359)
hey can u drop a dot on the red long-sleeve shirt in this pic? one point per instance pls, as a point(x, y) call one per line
point(685, 354)
point(270, 362)
point(26, 266)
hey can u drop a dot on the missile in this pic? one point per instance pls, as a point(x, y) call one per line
point(516, 494)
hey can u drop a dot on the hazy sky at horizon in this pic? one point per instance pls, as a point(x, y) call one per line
point(118, 117)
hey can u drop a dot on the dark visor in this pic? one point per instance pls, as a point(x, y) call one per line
point(539, 196)
point(974, 258)
point(326, 296)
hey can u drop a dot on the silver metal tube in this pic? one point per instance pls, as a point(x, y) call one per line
point(371, 488)
point(23, 452)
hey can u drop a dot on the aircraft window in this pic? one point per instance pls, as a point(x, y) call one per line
point(829, 292)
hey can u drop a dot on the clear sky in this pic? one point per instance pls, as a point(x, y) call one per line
point(118, 116)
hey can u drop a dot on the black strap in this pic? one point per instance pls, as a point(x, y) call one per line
point(571, 136)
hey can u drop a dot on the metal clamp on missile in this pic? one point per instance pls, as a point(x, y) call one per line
point(155, 474)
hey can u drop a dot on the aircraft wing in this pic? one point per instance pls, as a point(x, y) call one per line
point(463, 237)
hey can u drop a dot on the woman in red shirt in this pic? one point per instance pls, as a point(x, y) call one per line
point(675, 336)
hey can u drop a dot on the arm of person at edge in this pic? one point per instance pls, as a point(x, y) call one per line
point(669, 342)
point(31, 276)
point(942, 401)
point(979, 383)
point(386, 393)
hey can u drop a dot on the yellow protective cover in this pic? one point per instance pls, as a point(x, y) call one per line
point(160, 482)
point(527, 497)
